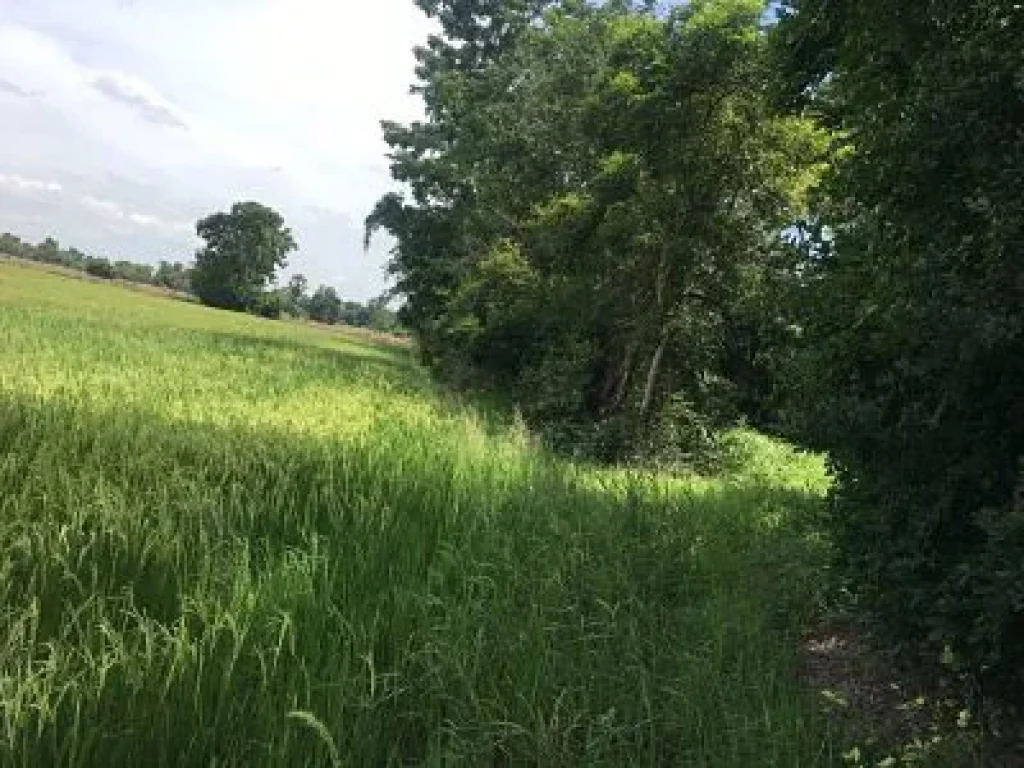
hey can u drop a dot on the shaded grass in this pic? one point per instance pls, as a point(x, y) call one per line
point(234, 542)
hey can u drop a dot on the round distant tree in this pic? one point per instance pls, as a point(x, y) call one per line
point(244, 248)
point(325, 305)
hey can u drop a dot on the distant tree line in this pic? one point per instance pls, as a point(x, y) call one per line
point(643, 222)
point(174, 276)
point(324, 305)
point(219, 286)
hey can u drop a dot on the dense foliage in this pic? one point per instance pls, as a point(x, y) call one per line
point(913, 356)
point(595, 215)
point(644, 223)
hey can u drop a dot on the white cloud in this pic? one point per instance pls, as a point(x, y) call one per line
point(144, 220)
point(138, 96)
point(106, 208)
point(169, 109)
point(7, 87)
point(112, 211)
point(17, 183)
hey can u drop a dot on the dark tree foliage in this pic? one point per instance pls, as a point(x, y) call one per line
point(11, 245)
point(100, 268)
point(244, 248)
point(912, 372)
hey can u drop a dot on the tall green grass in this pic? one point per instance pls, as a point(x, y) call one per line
point(233, 542)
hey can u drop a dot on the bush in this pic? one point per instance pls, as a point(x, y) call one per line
point(682, 436)
point(100, 268)
point(269, 304)
point(946, 580)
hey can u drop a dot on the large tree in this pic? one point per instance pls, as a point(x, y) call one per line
point(244, 248)
point(594, 195)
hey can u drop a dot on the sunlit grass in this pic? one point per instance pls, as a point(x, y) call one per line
point(229, 541)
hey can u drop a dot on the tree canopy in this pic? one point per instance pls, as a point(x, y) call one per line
point(244, 248)
point(596, 197)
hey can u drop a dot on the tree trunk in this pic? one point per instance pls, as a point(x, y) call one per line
point(627, 366)
point(652, 374)
point(660, 281)
point(616, 378)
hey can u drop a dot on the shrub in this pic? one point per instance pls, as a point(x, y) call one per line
point(100, 268)
point(269, 304)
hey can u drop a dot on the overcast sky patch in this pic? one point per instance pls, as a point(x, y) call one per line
point(146, 116)
point(16, 184)
point(6, 86)
point(147, 109)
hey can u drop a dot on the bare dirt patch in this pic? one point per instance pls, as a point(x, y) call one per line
point(886, 720)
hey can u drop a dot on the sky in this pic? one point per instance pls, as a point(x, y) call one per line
point(124, 121)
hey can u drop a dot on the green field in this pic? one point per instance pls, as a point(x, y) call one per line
point(230, 541)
